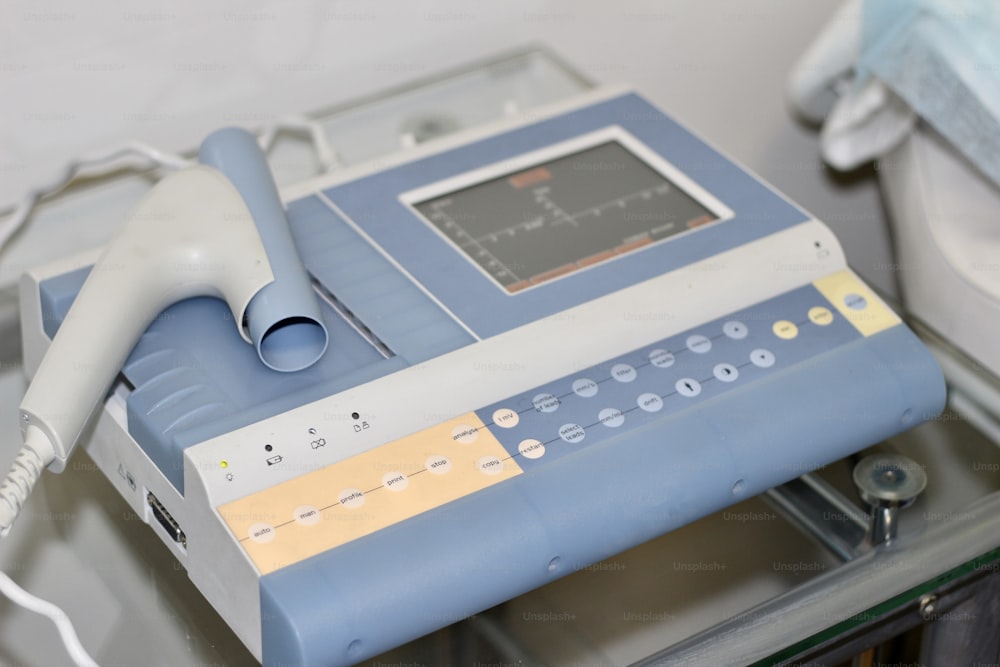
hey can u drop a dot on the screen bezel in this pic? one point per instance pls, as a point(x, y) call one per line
point(536, 158)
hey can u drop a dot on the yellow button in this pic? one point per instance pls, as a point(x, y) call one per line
point(785, 329)
point(820, 315)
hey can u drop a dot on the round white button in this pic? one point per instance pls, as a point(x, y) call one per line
point(465, 434)
point(531, 448)
point(661, 358)
point(437, 465)
point(688, 387)
point(762, 358)
point(395, 481)
point(584, 387)
point(735, 330)
point(506, 418)
point(261, 532)
point(650, 402)
point(623, 372)
point(352, 498)
point(545, 403)
point(699, 344)
point(307, 515)
point(572, 433)
point(611, 417)
point(490, 465)
point(725, 372)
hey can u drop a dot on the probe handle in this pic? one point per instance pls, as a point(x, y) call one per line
point(192, 235)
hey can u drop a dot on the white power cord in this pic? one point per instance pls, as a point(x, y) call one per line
point(96, 164)
point(24, 599)
point(102, 163)
point(328, 158)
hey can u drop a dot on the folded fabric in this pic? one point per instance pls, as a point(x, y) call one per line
point(938, 60)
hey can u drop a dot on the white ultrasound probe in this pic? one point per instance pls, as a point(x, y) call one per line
point(191, 235)
point(217, 229)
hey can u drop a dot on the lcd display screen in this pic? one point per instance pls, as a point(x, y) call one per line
point(563, 215)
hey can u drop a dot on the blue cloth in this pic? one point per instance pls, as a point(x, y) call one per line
point(942, 57)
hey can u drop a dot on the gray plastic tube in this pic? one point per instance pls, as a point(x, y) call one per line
point(283, 319)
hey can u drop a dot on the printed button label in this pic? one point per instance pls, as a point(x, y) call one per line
point(438, 465)
point(545, 403)
point(261, 532)
point(490, 465)
point(623, 372)
point(307, 515)
point(464, 434)
point(785, 329)
point(572, 433)
point(650, 402)
point(352, 498)
point(611, 417)
point(820, 315)
point(584, 387)
point(395, 481)
point(531, 449)
point(506, 418)
point(699, 344)
point(661, 358)
point(855, 301)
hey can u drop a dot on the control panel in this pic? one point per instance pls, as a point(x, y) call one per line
point(348, 500)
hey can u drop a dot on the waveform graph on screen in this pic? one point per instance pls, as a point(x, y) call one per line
point(564, 215)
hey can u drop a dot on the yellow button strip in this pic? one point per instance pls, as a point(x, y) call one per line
point(326, 508)
point(856, 302)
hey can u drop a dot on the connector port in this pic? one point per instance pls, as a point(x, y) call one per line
point(164, 519)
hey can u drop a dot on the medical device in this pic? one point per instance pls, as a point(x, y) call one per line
point(552, 337)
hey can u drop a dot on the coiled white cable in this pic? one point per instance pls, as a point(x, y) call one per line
point(35, 454)
point(328, 158)
point(95, 165)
